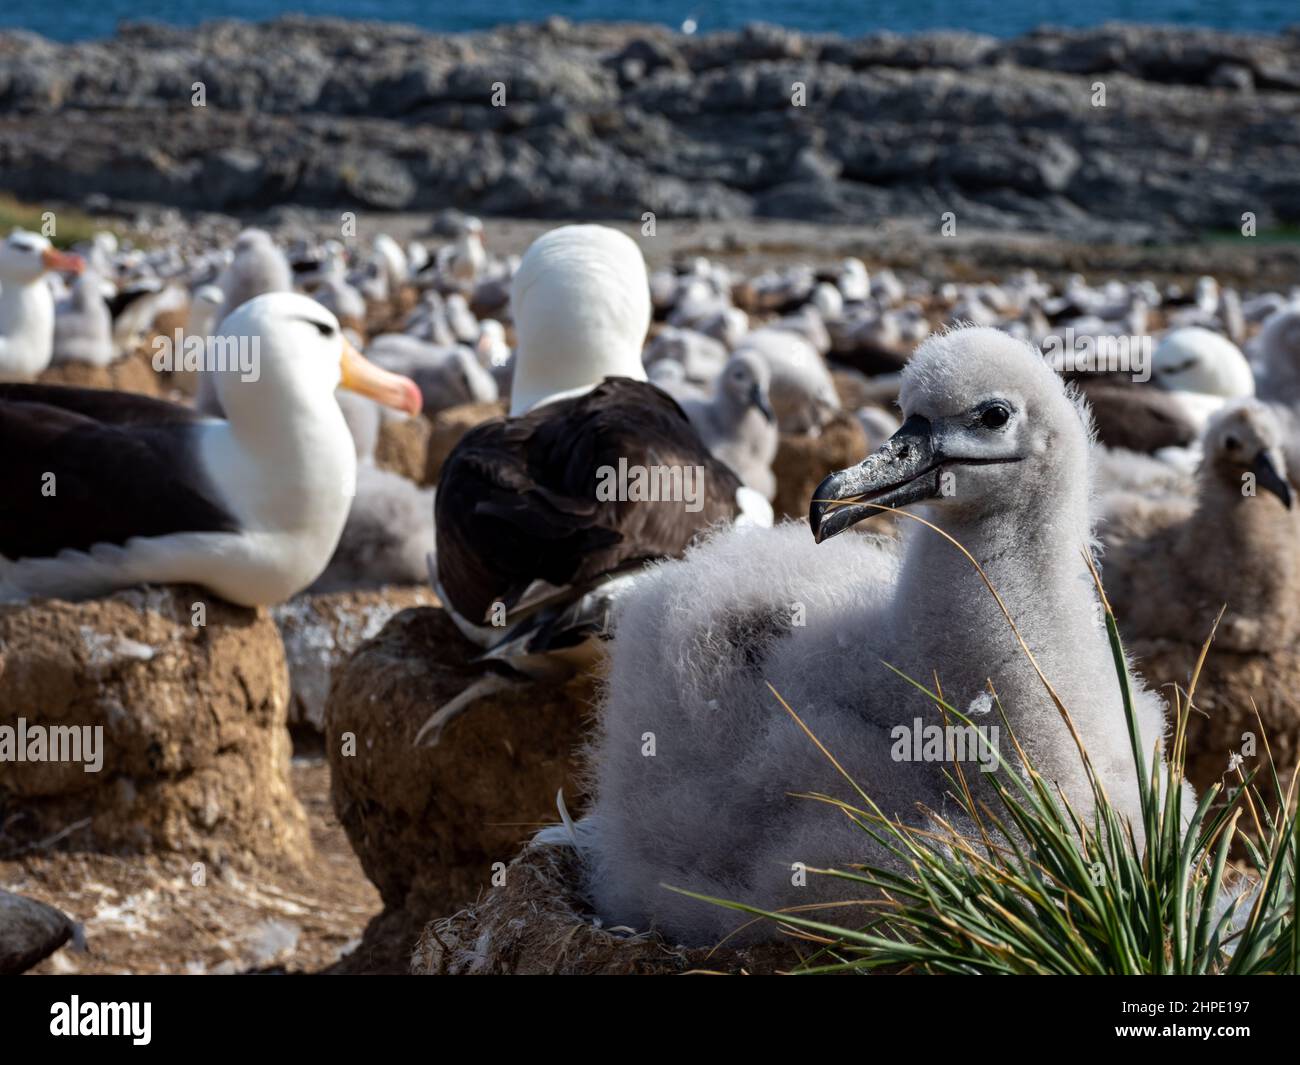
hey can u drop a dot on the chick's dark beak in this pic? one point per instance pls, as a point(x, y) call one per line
point(904, 470)
point(1267, 477)
point(759, 398)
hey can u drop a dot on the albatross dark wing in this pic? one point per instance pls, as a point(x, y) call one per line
point(122, 466)
point(517, 499)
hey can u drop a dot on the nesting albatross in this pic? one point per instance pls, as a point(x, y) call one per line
point(539, 517)
point(27, 304)
point(104, 490)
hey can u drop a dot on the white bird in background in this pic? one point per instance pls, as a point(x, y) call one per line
point(256, 268)
point(463, 260)
point(27, 303)
point(737, 424)
point(1203, 370)
point(83, 325)
point(397, 269)
point(701, 357)
point(802, 391)
point(493, 351)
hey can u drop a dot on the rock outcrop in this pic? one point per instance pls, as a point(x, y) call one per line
point(167, 708)
point(29, 932)
point(1119, 132)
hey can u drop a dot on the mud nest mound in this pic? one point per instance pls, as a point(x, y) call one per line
point(131, 373)
point(1230, 688)
point(802, 462)
point(403, 446)
point(537, 923)
point(450, 425)
point(187, 719)
point(430, 823)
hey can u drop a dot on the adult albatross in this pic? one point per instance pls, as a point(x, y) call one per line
point(105, 490)
point(27, 304)
point(544, 518)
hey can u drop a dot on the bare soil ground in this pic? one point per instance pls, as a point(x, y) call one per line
point(147, 914)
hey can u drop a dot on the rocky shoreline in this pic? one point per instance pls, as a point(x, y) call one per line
point(611, 121)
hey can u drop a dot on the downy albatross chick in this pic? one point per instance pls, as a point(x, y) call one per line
point(1234, 548)
point(27, 304)
point(737, 424)
point(149, 491)
point(715, 810)
point(388, 537)
point(535, 523)
point(83, 326)
point(1238, 544)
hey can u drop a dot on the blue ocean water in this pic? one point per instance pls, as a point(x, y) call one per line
point(80, 19)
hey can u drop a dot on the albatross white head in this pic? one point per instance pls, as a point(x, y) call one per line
point(581, 306)
point(283, 353)
point(992, 438)
point(1193, 359)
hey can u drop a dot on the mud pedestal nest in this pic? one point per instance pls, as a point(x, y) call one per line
point(403, 447)
point(186, 721)
point(131, 373)
point(537, 923)
point(1230, 688)
point(802, 462)
point(430, 823)
point(450, 425)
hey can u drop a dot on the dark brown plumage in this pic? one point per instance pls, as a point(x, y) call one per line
point(122, 464)
point(1137, 417)
point(517, 499)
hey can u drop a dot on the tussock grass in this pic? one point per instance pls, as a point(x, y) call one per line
point(1042, 890)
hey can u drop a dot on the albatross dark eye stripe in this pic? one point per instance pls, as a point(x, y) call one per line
point(324, 328)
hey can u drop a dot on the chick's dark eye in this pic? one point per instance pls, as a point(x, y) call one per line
point(995, 417)
point(1232, 443)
